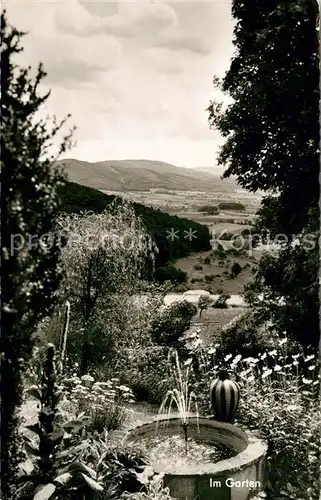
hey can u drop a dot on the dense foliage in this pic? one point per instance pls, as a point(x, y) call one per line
point(68, 450)
point(208, 209)
point(172, 322)
point(231, 205)
point(54, 472)
point(236, 269)
point(76, 198)
point(170, 273)
point(28, 205)
point(103, 262)
point(272, 144)
point(280, 386)
point(114, 333)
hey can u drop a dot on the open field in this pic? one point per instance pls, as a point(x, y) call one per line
point(187, 204)
point(215, 276)
point(176, 201)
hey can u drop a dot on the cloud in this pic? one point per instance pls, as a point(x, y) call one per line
point(161, 59)
point(181, 40)
point(131, 20)
point(71, 73)
point(100, 9)
point(66, 58)
point(136, 79)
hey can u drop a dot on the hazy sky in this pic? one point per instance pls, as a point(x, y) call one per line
point(136, 75)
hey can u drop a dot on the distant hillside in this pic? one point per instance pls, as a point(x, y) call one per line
point(76, 198)
point(216, 171)
point(143, 175)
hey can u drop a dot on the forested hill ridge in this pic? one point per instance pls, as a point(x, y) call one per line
point(76, 198)
point(143, 175)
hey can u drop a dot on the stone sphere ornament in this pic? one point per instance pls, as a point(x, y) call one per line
point(225, 396)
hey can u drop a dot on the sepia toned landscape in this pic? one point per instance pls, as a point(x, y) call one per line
point(160, 290)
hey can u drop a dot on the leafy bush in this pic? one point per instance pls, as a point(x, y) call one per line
point(120, 466)
point(209, 277)
point(170, 273)
point(289, 282)
point(220, 303)
point(145, 371)
point(172, 322)
point(282, 403)
point(244, 337)
point(198, 268)
point(59, 471)
point(103, 263)
point(207, 261)
point(236, 269)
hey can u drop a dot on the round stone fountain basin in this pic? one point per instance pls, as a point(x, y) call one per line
point(231, 479)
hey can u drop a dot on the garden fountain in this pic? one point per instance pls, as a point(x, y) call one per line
point(181, 396)
point(218, 460)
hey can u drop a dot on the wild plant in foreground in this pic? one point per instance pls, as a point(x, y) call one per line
point(181, 395)
point(121, 467)
point(56, 470)
point(63, 338)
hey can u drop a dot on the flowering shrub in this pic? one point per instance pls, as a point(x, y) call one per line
point(279, 397)
point(102, 402)
point(282, 403)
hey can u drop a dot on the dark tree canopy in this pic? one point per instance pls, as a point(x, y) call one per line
point(28, 206)
point(272, 144)
point(272, 126)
